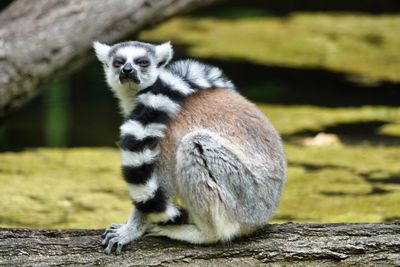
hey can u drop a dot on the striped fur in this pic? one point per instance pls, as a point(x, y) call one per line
point(145, 126)
point(214, 149)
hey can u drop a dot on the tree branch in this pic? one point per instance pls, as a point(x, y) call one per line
point(43, 40)
point(290, 244)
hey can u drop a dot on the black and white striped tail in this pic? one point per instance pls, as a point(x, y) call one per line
point(145, 126)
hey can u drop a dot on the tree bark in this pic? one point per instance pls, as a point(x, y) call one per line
point(43, 40)
point(276, 245)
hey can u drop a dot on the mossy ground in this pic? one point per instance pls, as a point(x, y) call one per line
point(62, 188)
point(361, 45)
point(358, 180)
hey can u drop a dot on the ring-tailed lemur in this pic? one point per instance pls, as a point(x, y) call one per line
point(188, 133)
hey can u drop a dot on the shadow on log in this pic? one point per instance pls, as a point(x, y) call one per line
point(275, 245)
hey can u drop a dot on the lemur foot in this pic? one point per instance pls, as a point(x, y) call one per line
point(184, 232)
point(118, 235)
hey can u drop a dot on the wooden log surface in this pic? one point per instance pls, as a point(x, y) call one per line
point(287, 244)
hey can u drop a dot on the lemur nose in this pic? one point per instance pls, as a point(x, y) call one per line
point(127, 68)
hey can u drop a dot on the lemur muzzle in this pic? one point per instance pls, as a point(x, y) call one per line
point(128, 74)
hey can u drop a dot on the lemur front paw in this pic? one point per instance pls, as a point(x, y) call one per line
point(118, 235)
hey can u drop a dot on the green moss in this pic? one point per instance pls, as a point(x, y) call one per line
point(337, 184)
point(56, 188)
point(350, 182)
point(364, 45)
point(292, 119)
point(82, 187)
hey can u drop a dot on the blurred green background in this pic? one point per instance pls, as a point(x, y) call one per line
point(311, 66)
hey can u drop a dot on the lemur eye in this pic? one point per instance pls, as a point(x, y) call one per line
point(143, 62)
point(118, 62)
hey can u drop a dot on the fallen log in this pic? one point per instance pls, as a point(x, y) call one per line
point(287, 244)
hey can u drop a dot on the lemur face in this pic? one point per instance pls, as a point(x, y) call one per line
point(132, 64)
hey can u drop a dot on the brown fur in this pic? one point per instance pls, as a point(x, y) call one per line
point(230, 116)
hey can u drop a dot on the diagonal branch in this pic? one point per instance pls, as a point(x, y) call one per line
point(43, 40)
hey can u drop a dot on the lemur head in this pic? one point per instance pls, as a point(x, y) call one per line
point(132, 65)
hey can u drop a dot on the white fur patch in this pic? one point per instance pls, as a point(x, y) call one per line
point(164, 52)
point(202, 82)
point(137, 129)
point(170, 213)
point(101, 51)
point(229, 84)
point(141, 193)
point(224, 227)
point(131, 52)
point(159, 102)
point(135, 159)
point(175, 83)
point(197, 75)
point(125, 94)
point(203, 75)
point(219, 84)
point(214, 73)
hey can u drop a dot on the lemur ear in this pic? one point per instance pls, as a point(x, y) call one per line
point(101, 51)
point(164, 54)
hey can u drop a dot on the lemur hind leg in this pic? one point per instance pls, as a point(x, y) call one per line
point(210, 181)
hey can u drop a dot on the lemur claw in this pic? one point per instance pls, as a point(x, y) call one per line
point(117, 236)
point(110, 229)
